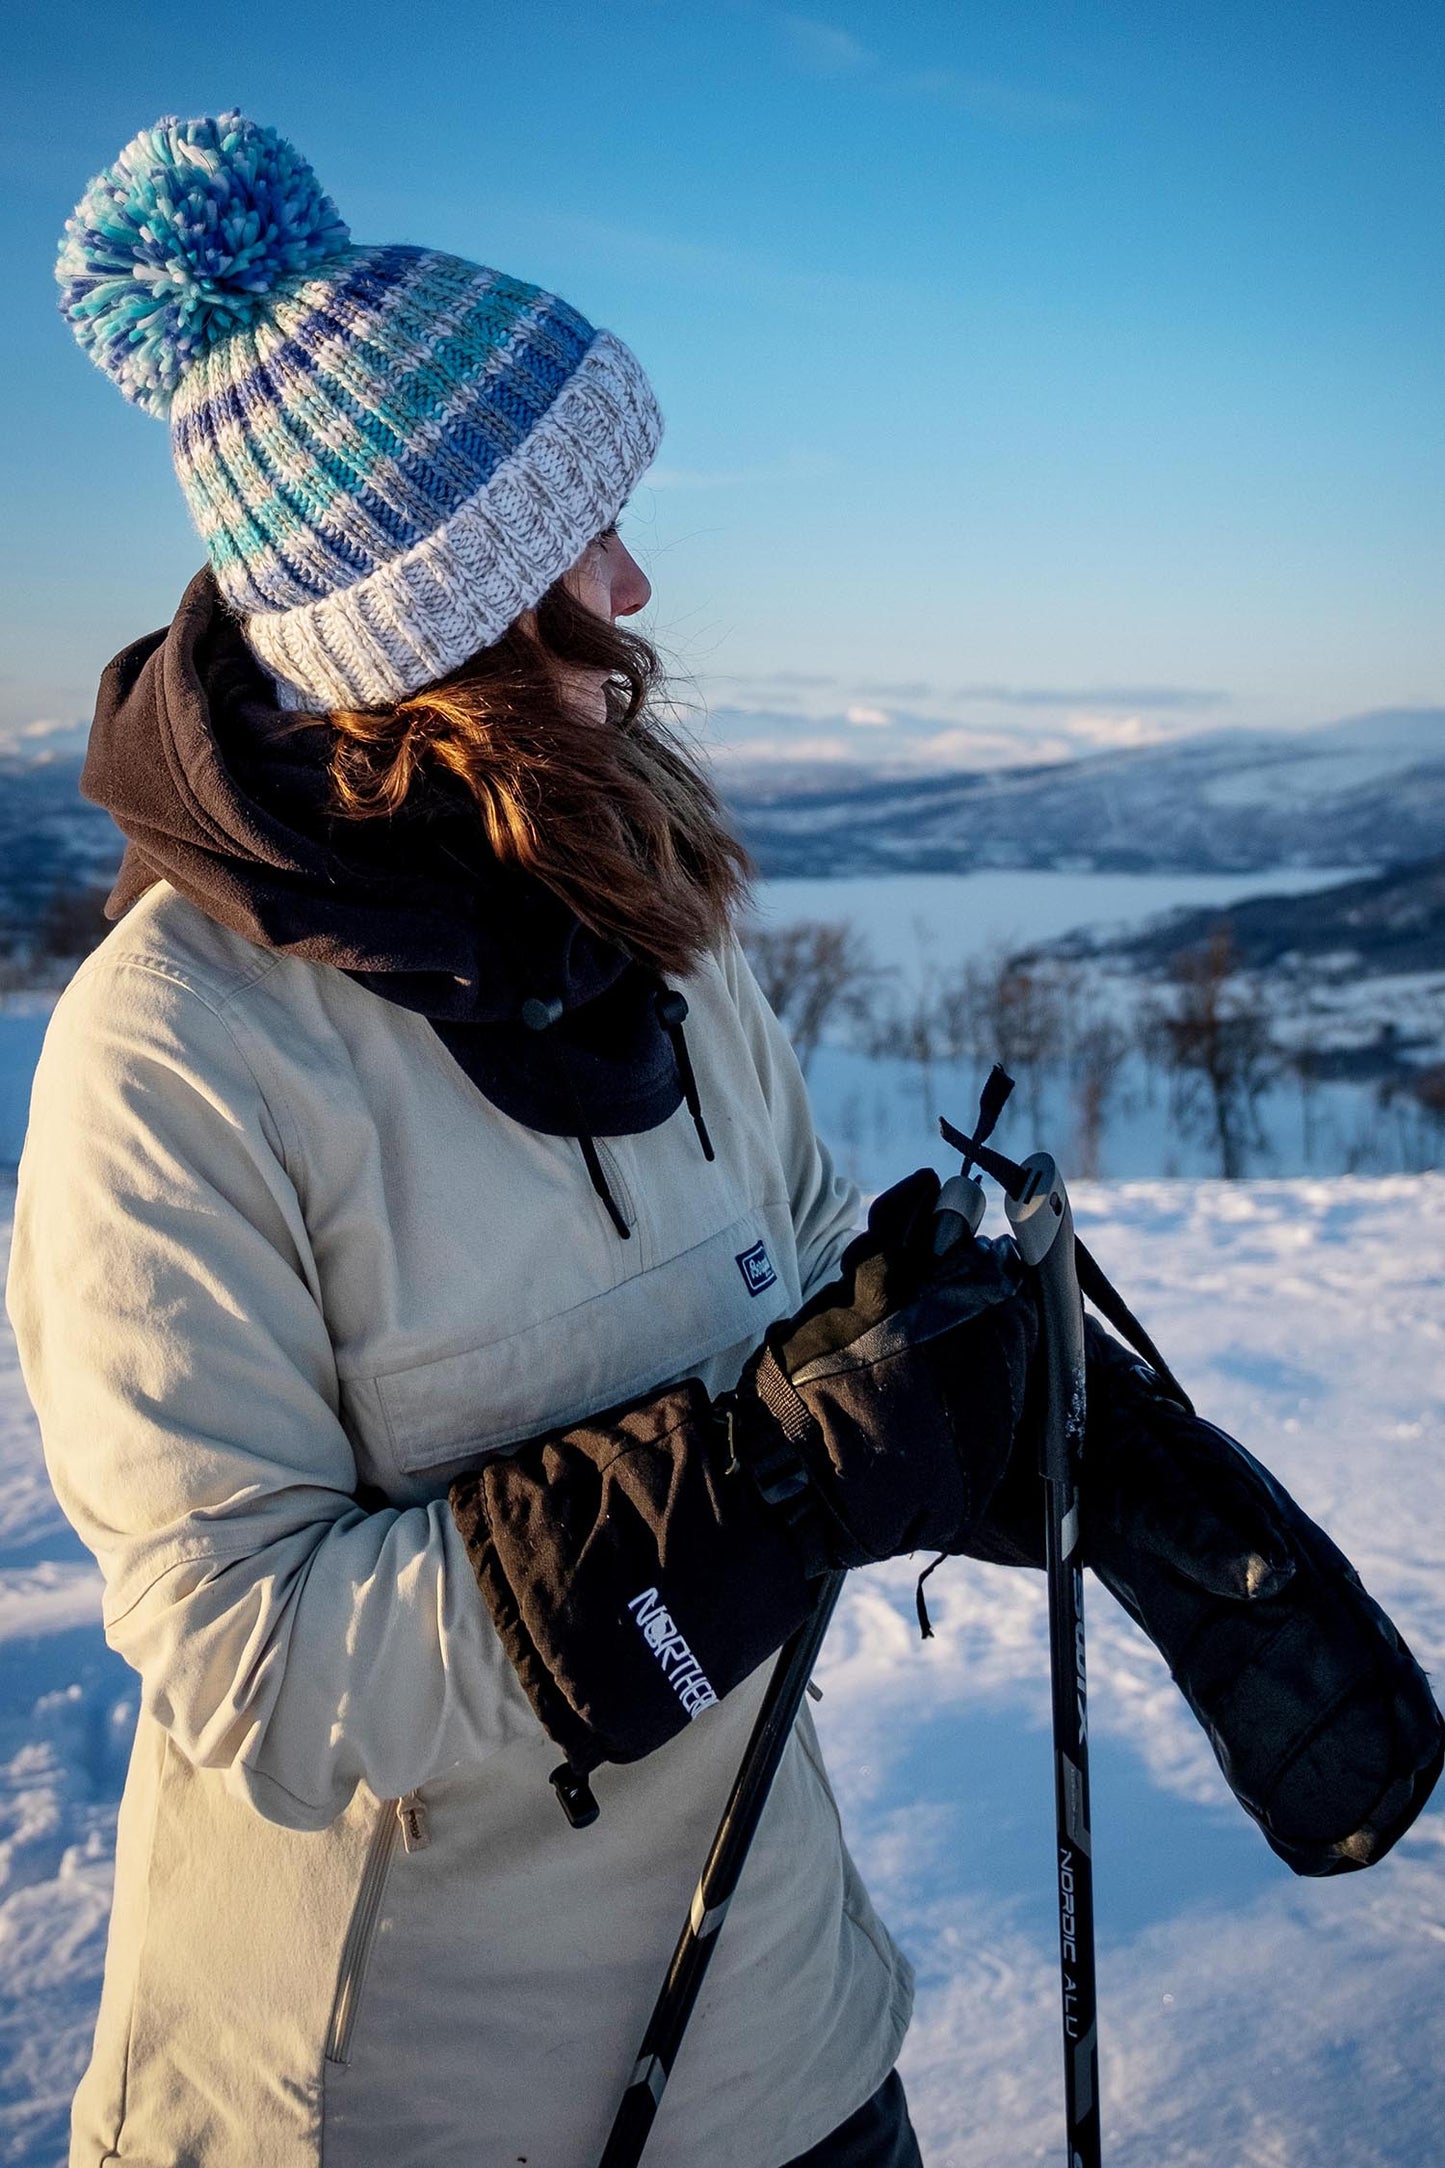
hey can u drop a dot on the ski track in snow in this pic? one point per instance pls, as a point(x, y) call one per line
point(1248, 2019)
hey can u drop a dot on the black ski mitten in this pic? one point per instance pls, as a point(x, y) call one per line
point(1320, 1717)
point(637, 1566)
point(882, 1418)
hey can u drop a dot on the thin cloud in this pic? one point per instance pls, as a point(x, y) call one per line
point(827, 49)
point(1011, 105)
point(1094, 702)
point(862, 733)
point(1107, 733)
point(813, 679)
point(1187, 697)
point(45, 738)
point(965, 748)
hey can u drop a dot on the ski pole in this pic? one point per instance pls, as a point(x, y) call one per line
point(719, 1879)
point(1039, 1214)
point(1043, 1227)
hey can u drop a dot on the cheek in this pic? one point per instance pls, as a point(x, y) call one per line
point(599, 593)
point(591, 584)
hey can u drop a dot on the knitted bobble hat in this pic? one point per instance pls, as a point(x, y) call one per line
point(389, 452)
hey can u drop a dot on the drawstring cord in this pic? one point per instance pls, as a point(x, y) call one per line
point(925, 1623)
point(672, 1010)
point(539, 1014)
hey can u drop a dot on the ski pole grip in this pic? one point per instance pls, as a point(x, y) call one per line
point(1043, 1227)
point(958, 1212)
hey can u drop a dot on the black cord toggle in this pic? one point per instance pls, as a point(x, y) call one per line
point(575, 1795)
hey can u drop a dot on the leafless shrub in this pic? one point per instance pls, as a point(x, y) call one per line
point(1305, 1061)
point(1099, 1049)
point(1211, 1032)
point(814, 972)
point(1011, 1008)
point(1429, 1088)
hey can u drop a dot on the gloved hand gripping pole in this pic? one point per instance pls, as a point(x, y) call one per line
point(1039, 1215)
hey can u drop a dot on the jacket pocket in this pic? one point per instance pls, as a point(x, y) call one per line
point(361, 1933)
point(660, 1325)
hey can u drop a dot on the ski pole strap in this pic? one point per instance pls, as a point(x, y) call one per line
point(779, 1469)
point(1091, 1277)
point(1110, 1304)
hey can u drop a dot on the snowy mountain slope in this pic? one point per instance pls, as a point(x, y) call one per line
point(1249, 2020)
point(1370, 791)
point(49, 836)
point(1388, 922)
point(1367, 791)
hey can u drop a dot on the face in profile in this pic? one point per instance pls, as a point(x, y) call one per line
point(608, 580)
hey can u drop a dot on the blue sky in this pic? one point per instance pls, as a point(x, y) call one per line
point(1035, 376)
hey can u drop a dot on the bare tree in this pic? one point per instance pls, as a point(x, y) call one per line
point(1012, 1008)
point(1306, 1059)
point(813, 972)
point(1099, 1048)
point(904, 1021)
point(1429, 1088)
point(1212, 1033)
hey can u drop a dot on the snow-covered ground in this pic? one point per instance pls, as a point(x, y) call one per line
point(1248, 2020)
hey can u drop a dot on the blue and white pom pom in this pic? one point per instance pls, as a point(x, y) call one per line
point(180, 242)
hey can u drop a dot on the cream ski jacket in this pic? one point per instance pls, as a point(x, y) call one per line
point(277, 1260)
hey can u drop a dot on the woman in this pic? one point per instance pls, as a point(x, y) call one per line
point(370, 1143)
point(441, 1314)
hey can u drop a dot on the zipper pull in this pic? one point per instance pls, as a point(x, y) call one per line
point(415, 1823)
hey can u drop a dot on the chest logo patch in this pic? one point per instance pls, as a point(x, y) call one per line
point(756, 1267)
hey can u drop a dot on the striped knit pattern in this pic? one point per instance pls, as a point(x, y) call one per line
point(396, 459)
point(390, 453)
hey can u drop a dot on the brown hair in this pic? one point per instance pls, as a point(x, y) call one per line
point(616, 817)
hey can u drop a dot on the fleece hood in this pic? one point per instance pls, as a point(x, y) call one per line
point(225, 796)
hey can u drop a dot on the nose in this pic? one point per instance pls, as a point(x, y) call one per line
point(631, 588)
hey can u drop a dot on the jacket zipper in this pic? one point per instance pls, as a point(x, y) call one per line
point(405, 1818)
point(622, 1191)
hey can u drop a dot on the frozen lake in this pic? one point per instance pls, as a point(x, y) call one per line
point(940, 918)
point(920, 928)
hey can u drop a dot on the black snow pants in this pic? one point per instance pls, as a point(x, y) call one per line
point(879, 2135)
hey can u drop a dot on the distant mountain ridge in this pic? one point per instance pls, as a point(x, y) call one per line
point(1388, 922)
point(1369, 791)
point(51, 839)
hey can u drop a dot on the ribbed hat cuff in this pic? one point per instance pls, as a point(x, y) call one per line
point(417, 618)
